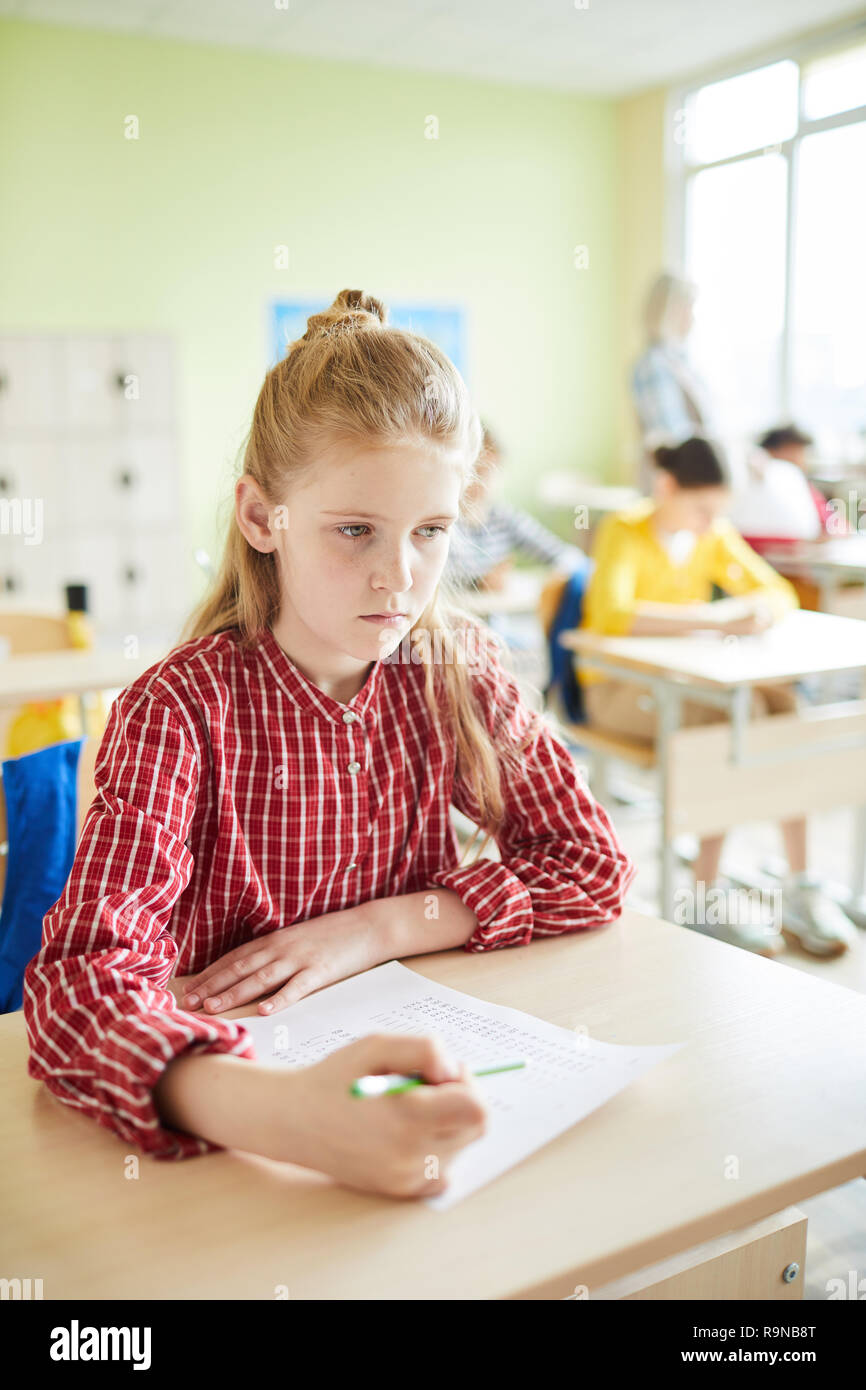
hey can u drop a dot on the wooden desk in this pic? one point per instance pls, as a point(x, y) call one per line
point(800, 644)
point(826, 564)
point(769, 1078)
point(520, 594)
point(51, 675)
point(721, 671)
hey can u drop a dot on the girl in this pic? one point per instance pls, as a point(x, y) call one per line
point(273, 798)
point(652, 564)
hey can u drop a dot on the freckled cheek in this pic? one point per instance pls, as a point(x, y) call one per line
point(428, 568)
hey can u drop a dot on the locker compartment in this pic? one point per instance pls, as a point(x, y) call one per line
point(127, 482)
point(156, 572)
point(95, 371)
point(148, 402)
point(32, 384)
point(32, 473)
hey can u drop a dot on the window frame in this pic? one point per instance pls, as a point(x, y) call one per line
point(679, 169)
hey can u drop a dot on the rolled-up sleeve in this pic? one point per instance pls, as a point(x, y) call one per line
point(562, 868)
point(738, 569)
point(101, 1023)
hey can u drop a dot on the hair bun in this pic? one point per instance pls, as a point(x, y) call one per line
point(662, 454)
point(352, 310)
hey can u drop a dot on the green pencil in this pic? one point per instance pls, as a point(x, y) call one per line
point(392, 1083)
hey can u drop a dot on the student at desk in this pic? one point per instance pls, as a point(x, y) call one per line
point(655, 568)
point(273, 800)
point(483, 543)
point(782, 512)
point(791, 444)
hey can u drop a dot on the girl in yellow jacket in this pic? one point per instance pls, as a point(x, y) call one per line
point(655, 569)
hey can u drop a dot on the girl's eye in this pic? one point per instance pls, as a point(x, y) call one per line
point(344, 530)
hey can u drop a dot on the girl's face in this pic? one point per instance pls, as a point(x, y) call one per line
point(689, 508)
point(366, 534)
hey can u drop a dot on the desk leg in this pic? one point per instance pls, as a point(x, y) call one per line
point(857, 901)
point(668, 705)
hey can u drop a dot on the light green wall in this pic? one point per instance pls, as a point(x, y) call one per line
point(641, 194)
point(240, 151)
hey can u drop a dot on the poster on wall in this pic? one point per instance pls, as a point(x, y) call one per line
point(444, 325)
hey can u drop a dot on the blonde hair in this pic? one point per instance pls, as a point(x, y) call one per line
point(667, 293)
point(354, 379)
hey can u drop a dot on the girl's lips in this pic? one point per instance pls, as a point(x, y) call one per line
point(389, 619)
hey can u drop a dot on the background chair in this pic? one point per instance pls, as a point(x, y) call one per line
point(561, 609)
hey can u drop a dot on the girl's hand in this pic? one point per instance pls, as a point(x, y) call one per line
point(398, 1146)
point(759, 620)
point(293, 961)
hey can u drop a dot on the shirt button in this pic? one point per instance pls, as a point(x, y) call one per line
point(354, 767)
point(349, 717)
point(351, 866)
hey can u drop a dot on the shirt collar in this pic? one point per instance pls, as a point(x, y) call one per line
point(307, 696)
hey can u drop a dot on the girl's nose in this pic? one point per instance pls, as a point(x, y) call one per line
point(394, 573)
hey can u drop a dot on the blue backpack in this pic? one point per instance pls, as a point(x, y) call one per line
point(41, 804)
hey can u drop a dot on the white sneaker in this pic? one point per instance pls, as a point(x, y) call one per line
point(813, 920)
point(747, 925)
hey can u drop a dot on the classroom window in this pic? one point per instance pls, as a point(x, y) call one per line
point(736, 226)
point(829, 291)
point(834, 83)
point(773, 210)
point(742, 113)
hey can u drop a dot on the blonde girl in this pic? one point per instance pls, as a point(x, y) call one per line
point(273, 798)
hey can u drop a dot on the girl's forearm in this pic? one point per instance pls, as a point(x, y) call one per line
point(668, 619)
point(436, 919)
point(231, 1102)
point(658, 625)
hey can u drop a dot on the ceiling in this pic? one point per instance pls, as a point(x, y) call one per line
point(610, 47)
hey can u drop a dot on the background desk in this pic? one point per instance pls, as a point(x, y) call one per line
point(721, 671)
point(52, 675)
point(772, 1075)
point(828, 565)
point(520, 594)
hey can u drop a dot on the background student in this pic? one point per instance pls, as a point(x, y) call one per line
point(273, 798)
point(653, 564)
point(484, 540)
point(774, 507)
point(794, 445)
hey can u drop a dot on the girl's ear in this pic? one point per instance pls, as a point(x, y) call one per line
point(663, 485)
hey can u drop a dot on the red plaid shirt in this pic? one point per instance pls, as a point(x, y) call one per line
point(234, 797)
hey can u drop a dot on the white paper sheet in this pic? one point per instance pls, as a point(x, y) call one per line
point(569, 1073)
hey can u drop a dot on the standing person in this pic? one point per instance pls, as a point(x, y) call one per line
point(653, 564)
point(273, 798)
point(671, 399)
